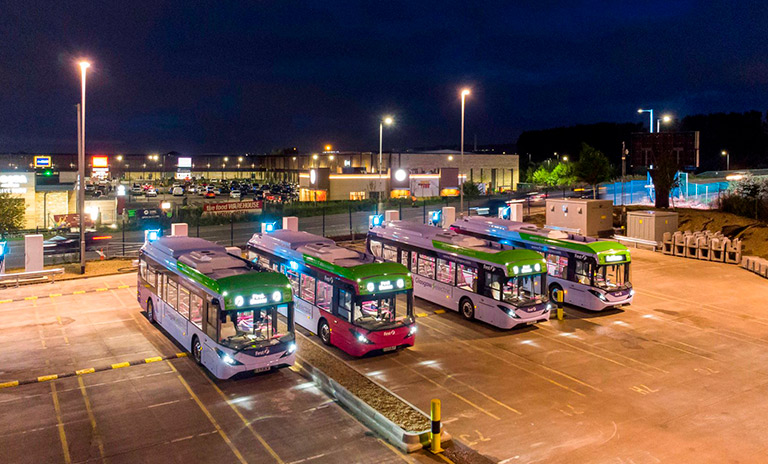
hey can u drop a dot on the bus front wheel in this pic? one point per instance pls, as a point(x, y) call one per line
point(197, 350)
point(467, 309)
point(553, 290)
point(324, 330)
point(150, 311)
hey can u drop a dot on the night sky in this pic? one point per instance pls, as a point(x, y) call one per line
point(252, 76)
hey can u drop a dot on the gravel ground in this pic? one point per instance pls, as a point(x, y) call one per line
point(359, 385)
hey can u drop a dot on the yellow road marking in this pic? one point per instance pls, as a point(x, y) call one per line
point(152, 360)
point(30, 298)
point(119, 365)
point(91, 417)
point(9, 384)
point(421, 314)
point(62, 434)
point(123, 286)
point(6, 301)
point(247, 424)
point(90, 370)
point(46, 378)
point(439, 311)
point(102, 289)
point(202, 407)
point(181, 355)
point(54, 295)
point(78, 292)
point(396, 451)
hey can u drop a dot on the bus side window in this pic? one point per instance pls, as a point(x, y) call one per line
point(404, 257)
point(143, 268)
point(389, 253)
point(324, 295)
point(264, 261)
point(376, 248)
point(170, 293)
point(493, 285)
point(467, 278)
point(414, 262)
point(196, 310)
point(446, 271)
point(581, 272)
point(184, 301)
point(426, 266)
point(557, 266)
point(293, 277)
point(307, 288)
point(344, 306)
point(151, 276)
point(210, 327)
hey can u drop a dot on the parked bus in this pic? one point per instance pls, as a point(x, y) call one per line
point(342, 295)
point(221, 307)
point(594, 273)
point(465, 274)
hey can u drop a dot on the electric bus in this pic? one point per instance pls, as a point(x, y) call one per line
point(344, 296)
point(221, 307)
point(504, 288)
point(594, 273)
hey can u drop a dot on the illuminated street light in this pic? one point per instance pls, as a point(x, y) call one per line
point(651, 115)
point(666, 119)
point(464, 94)
point(388, 121)
point(565, 158)
point(727, 155)
point(84, 65)
point(328, 148)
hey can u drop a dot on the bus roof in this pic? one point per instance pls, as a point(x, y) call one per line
point(451, 242)
point(324, 254)
point(210, 265)
point(503, 228)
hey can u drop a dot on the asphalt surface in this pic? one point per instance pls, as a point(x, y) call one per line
point(157, 411)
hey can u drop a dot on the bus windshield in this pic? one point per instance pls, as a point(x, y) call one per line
point(248, 326)
point(523, 290)
point(612, 276)
point(383, 312)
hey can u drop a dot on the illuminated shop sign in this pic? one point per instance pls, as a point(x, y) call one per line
point(13, 183)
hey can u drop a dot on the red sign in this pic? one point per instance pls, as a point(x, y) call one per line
point(233, 207)
point(100, 162)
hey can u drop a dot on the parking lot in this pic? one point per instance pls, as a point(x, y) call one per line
point(161, 411)
point(678, 376)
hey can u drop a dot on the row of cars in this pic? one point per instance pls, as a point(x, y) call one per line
point(276, 192)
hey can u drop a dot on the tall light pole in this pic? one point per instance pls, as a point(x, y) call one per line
point(665, 118)
point(388, 121)
point(651, 121)
point(727, 155)
point(84, 65)
point(464, 94)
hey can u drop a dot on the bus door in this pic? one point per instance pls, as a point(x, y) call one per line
point(341, 316)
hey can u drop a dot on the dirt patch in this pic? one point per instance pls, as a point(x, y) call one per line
point(359, 385)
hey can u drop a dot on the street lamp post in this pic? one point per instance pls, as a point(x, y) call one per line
point(388, 121)
point(665, 118)
point(464, 94)
point(651, 115)
point(727, 155)
point(84, 65)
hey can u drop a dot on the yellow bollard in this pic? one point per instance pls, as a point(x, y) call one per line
point(435, 433)
point(560, 298)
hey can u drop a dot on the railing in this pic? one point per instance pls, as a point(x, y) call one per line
point(637, 241)
point(30, 276)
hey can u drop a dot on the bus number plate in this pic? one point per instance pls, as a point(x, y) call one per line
point(389, 348)
point(260, 369)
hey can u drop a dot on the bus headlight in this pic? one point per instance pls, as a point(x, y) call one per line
point(413, 330)
point(276, 296)
point(598, 295)
point(400, 283)
point(360, 337)
point(370, 286)
point(631, 292)
point(509, 311)
point(537, 267)
point(291, 348)
point(550, 307)
point(227, 358)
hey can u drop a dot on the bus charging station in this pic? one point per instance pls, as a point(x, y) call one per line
point(512, 212)
point(3, 252)
point(442, 217)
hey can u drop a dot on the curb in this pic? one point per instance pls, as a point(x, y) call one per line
point(404, 440)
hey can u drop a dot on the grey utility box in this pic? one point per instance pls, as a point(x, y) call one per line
point(586, 217)
point(651, 225)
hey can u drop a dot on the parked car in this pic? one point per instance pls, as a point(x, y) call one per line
point(234, 194)
point(151, 192)
point(178, 191)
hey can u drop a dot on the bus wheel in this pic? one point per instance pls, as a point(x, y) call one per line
point(324, 330)
point(554, 288)
point(467, 309)
point(150, 311)
point(197, 350)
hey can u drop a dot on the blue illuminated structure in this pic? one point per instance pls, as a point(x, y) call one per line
point(150, 235)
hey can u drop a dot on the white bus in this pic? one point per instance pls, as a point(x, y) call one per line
point(221, 307)
point(594, 273)
point(465, 274)
point(342, 295)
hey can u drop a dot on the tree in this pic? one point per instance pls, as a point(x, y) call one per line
point(554, 174)
point(471, 190)
point(663, 175)
point(11, 213)
point(593, 167)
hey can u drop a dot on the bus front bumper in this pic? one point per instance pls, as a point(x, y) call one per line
point(254, 364)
